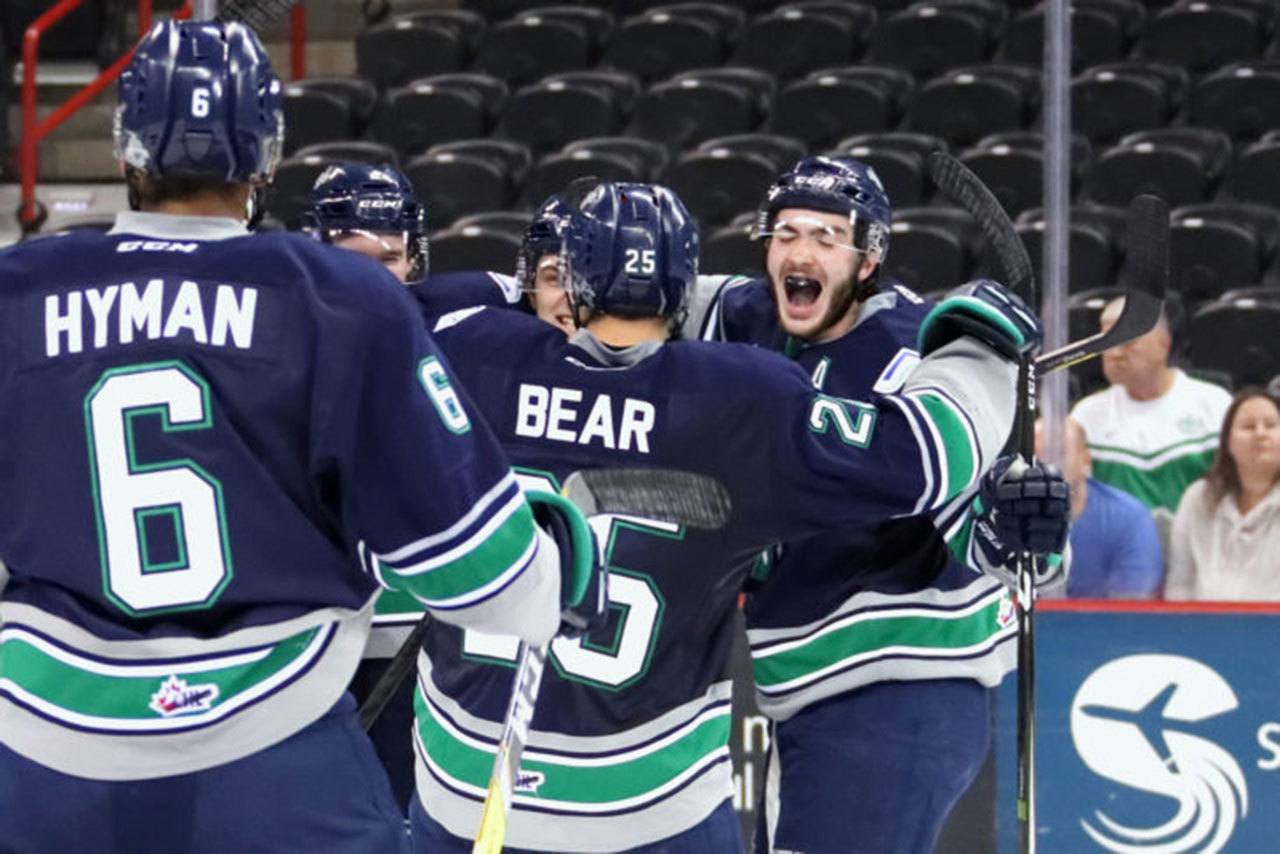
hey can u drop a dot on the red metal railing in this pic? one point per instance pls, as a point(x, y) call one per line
point(30, 213)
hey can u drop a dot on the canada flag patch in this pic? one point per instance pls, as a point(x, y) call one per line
point(176, 697)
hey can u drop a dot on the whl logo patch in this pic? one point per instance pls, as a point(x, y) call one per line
point(528, 781)
point(1133, 722)
point(176, 697)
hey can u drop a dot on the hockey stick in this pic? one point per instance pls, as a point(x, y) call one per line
point(1149, 249)
point(685, 498)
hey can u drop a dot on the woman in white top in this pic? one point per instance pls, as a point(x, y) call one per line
point(1226, 534)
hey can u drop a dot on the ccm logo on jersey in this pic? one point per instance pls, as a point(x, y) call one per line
point(156, 246)
point(562, 415)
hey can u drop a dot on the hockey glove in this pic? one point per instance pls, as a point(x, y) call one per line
point(1022, 508)
point(584, 581)
point(985, 310)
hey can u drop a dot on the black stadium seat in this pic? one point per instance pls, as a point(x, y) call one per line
point(513, 223)
point(312, 116)
point(515, 157)
point(731, 249)
point(546, 115)
point(352, 150)
point(1091, 256)
point(555, 171)
point(1255, 175)
point(719, 184)
point(473, 247)
point(1181, 165)
point(1243, 99)
point(931, 248)
point(1211, 251)
point(1200, 36)
point(899, 160)
point(781, 151)
point(931, 38)
point(968, 103)
point(452, 185)
point(1096, 37)
point(402, 49)
point(1110, 100)
point(468, 25)
point(824, 108)
point(651, 156)
point(659, 43)
point(622, 87)
point(686, 110)
point(792, 42)
point(413, 118)
point(598, 22)
point(525, 48)
point(1239, 337)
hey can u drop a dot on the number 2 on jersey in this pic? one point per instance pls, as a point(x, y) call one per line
point(162, 533)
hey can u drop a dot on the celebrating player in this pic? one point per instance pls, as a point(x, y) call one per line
point(215, 445)
point(877, 675)
point(628, 749)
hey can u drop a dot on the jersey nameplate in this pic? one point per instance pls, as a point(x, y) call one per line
point(219, 316)
point(565, 415)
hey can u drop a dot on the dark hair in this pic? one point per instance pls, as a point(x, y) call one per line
point(150, 191)
point(1223, 478)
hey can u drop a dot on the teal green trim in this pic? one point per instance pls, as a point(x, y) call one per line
point(581, 543)
point(961, 466)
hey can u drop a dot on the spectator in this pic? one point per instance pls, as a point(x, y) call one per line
point(1115, 548)
point(1153, 431)
point(1227, 529)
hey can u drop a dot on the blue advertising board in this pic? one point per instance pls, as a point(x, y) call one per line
point(1158, 730)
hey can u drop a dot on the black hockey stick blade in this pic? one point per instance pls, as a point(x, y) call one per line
point(958, 183)
point(394, 674)
point(1148, 238)
point(681, 497)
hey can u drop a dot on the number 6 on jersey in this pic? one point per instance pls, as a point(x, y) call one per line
point(142, 507)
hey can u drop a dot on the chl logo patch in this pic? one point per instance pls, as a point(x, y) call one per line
point(1131, 722)
point(528, 781)
point(176, 697)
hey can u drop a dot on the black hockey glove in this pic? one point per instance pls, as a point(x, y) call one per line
point(584, 581)
point(985, 310)
point(1022, 508)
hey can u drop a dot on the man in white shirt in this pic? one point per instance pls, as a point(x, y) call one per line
point(1154, 430)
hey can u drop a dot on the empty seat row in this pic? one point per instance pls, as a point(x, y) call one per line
point(960, 106)
point(796, 38)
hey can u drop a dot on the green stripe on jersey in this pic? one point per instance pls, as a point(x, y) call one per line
point(128, 690)
point(483, 563)
point(395, 602)
point(957, 442)
point(1161, 486)
point(593, 780)
point(872, 633)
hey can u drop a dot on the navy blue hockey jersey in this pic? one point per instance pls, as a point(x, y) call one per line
point(882, 601)
point(629, 743)
point(212, 444)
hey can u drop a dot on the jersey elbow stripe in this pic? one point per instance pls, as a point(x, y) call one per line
point(481, 573)
point(481, 513)
point(953, 437)
point(928, 466)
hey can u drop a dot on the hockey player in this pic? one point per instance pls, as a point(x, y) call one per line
point(628, 749)
point(878, 682)
point(374, 211)
point(215, 444)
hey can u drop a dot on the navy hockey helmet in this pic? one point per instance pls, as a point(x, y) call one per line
point(359, 197)
point(545, 235)
point(199, 99)
point(839, 185)
point(630, 250)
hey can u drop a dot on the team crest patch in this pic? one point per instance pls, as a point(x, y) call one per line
point(528, 781)
point(176, 697)
point(1005, 614)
